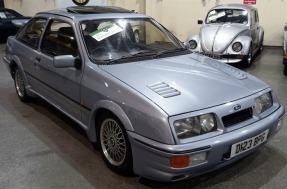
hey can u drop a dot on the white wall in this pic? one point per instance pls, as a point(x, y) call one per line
point(31, 7)
point(66, 3)
point(180, 16)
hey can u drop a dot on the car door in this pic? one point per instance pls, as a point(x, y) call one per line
point(27, 43)
point(60, 86)
point(255, 29)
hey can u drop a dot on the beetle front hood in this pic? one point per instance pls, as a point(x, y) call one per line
point(217, 37)
point(190, 82)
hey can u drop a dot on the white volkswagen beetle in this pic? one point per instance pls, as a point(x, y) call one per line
point(230, 33)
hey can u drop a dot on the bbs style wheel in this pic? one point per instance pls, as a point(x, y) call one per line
point(20, 85)
point(137, 36)
point(80, 2)
point(285, 67)
point(114, 144)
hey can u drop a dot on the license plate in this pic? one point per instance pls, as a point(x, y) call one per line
point(248, 144)
point(214, 56)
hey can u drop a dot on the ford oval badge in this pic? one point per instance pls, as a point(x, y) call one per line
point(237, 107)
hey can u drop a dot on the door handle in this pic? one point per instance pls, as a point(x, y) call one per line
point(38, 59)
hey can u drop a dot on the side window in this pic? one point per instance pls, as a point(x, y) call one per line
point(59, 39)
point(253, 18)
point(31, 32)
point(257, 17)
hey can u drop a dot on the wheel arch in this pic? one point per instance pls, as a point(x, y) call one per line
point(245, 40)
point(261, 35)
point(15, 62)
point(102, 107)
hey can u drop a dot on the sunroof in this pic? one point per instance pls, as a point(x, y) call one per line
point(97, 9)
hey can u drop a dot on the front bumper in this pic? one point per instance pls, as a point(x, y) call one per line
point(151, 159)
point(226, 58)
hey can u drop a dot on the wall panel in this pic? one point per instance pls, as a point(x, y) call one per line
point(180, 16)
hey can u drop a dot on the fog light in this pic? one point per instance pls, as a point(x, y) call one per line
point(197, 158)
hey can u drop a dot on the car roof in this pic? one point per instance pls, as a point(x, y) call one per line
point(89, 12)
point(235, 6)
point(11, 10)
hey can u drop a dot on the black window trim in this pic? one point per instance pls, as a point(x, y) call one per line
point(40, 40)
point(50, 21)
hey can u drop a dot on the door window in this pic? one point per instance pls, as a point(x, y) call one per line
point(253, 18)
point(59, 39)
point(32, 31)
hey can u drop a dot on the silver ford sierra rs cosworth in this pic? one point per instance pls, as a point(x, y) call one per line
point(151, 105)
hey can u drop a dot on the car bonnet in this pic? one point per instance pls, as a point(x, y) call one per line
point(217, 37)
point(186, 83)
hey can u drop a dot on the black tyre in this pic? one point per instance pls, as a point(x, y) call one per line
point(137, 36)
point(20, 85)
point(248, 60)
point(114, 144)
point(261, 45)
point(285, 67)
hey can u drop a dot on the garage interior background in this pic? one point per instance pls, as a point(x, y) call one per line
point(178, 16)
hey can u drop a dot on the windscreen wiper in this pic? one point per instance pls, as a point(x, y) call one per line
point(172, 51)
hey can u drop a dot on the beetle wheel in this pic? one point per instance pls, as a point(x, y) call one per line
point(114, 144)
point(285, 68)
point(248, 60)
point(261, 45)
point(137, 36)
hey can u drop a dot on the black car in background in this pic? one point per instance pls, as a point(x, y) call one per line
point(10, 22)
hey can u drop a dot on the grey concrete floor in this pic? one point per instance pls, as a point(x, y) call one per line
point(42, 148)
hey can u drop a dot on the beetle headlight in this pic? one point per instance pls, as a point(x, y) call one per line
point(192, 44)
point(237, 46)
point(194, 126)
point(263, 102)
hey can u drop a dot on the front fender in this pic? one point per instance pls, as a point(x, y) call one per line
point(261, 36)
point(245, 40)
point(112, 107)
point(197, 39)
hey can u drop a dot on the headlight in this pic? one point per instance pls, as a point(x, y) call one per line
point(263, 102)
point(195, 126)
point(192, 44)
point(237, 46)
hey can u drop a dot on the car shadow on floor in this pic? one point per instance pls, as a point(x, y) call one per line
point(266, 162)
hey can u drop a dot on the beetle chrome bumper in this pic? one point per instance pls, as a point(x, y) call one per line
point(152, 159)
point(226, 58)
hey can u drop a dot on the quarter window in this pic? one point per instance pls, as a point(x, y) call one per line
point(32, 31)
point(59, 39)
point(253, 18)
point(257, 17)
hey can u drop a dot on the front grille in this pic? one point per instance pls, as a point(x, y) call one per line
point(237, 117)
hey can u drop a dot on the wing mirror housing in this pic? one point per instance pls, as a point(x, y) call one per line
point(66, 61)
point(199, 22)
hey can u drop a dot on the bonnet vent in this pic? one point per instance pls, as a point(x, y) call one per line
point(164, 90)
point(229, 70)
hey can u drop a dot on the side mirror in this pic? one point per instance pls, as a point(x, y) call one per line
point(64, 61)
point(199, 22)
